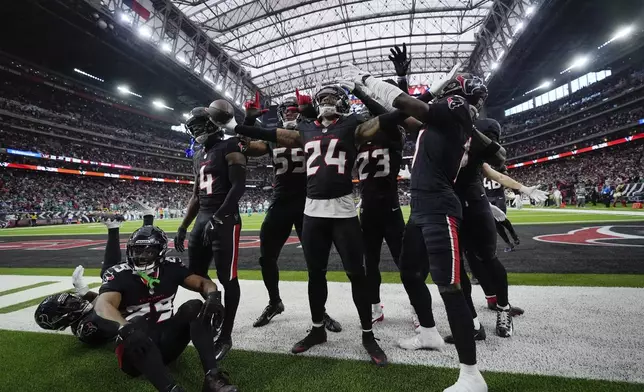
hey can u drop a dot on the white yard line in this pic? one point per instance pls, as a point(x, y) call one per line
point(581, 211)
point(590, 333)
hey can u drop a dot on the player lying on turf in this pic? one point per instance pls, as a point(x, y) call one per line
point(135, 305)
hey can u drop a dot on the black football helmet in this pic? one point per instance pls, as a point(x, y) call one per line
point(489, 127)
point(288, 112)
point(59, 311)
point(468, 86)
point(332, 99)
point(201, 128)
point(146, 248)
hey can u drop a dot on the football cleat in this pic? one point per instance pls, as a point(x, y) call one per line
point(414, 320)
point(468, 383)
point(222, 347)
point(370, 343)
point(479, 335)
point(504, 327)
point(516, 311)
point(269, 312)
point(80, 286)
point(377, 313)
point(424, 339)
point(331, 324)
point(317, 335)
point(217, 382)
point(517, 241)
point(509, 248)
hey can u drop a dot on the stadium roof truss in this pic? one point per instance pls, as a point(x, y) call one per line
point(280, 45)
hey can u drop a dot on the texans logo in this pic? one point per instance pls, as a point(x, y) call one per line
point(595, 236)
point(454, 102)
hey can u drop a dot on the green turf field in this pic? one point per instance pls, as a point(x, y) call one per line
point(254, 222)
point(62, 363)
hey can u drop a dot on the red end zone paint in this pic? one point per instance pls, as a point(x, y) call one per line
point(597, 236)
point(251, 241)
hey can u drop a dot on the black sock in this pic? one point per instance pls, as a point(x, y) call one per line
point(508, 225)
point(466, 286)
point(500, 282)
point(359, 293)
point(148, 220)
point(271, 277)
point(231, 302)
point(460, 322)
point(501, 231)
point(202, 338)
point(419, 297)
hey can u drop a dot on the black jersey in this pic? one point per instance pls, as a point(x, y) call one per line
point(493, 189)
point(153, 299)
point(289, 172)
point(441, 149)
point(211, 170)
point(330, 155)
point(379, 163)
point(95, 330)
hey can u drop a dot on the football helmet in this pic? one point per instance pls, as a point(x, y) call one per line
point(489, 127)
point(288, 113)
point(146, 248)
point(59, 311)
point(332, 100)
point(201, 128)
point(468, 86)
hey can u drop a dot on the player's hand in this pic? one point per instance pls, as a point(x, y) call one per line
point(138, 323)
point(348, 85)
point(212, 312)
point(179, 239)
point(351, 72)
point(253, 110)
point(210, 230)
point(534, 193)
point(405, 174)
point(80, 286)
point(437, 87)
point(400, 59)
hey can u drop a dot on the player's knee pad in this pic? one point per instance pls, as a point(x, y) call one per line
point(189, 310)
point(453, 288)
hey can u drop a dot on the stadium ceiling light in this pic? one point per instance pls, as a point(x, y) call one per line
point(228, 94)
point(545, 84)
point(125, 18)
point(160, 105)
point(623, 32)
point(219, 87)
point(126, 90)
point(208, 79)
point(501, 53)
point(88, 75)
point(182, 59)
point(530, 10)
point(186, 115)
point(145, 32)
point(166, 47)
point(577, 63)
point(494, 65)
point(518, 27)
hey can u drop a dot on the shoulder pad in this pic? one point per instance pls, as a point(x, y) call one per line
point(111, 272)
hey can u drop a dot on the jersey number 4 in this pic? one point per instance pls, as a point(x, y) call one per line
point(205, 181)
point(382, 154)
point(329, 159)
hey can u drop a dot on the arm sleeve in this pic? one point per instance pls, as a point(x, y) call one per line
point(402, 84)
point(267, 134)
point(237, 178)
point(374, 107)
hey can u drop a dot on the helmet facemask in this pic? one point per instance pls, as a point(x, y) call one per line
point(59, 311)
point(288, 113)
point(332, 101)
point(146, 248)
point(200, 127)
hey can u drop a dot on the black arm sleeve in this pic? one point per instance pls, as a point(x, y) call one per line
point(112, 250)
point(374, 106)
point(490, 151)
point(237, 177)
point(268, 134)
point(389, 123)
point(402, 84)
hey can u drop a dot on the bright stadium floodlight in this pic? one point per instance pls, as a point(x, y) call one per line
point(125, 18)
point(208, 79)
point(518, 27)
point(530, 10)
point(228, 94)
point(145, 32)
point(166, 47)
point(545, 84)
point(126, 90)
point(88, 75)
point(501, 53)
point(578, 62)
point(160, 105)
point(623, 33)
point(494, 65)
point(219, 87)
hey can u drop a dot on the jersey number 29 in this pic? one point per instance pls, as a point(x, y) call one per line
point(329, 159)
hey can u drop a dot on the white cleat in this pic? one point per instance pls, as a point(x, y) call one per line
point(470, 381)
point(112, 223)
point(377, 313)
point(426, 338)
point(80, 286)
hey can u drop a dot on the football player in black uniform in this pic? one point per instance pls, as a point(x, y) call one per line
point(431, 241)
point(287, 207)
point(220, 181)
point(330, 216)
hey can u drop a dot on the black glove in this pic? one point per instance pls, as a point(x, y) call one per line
point(210, 230)
point(179, 239)
point(400, 60)
point(134, 335)
point(212, 312)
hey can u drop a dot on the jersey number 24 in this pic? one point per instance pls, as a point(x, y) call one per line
point(329, 159)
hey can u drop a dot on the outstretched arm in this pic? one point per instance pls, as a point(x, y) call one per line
point(199, 284)
point(509, 182)
point(256, 149)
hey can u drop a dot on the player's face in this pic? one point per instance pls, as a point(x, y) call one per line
point(327, 105)
point(291, 114)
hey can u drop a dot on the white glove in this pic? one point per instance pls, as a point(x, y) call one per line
point(147, 210)
point(405, 174)
point(534, 193)
point(111, 223)
point(80, 286)
point(353, 73)
point(347, 84)
point(437, 87)
point(499, 215)
point(229, 127)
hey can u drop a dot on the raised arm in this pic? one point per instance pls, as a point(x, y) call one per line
point(256, 149)
point(509, 182)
